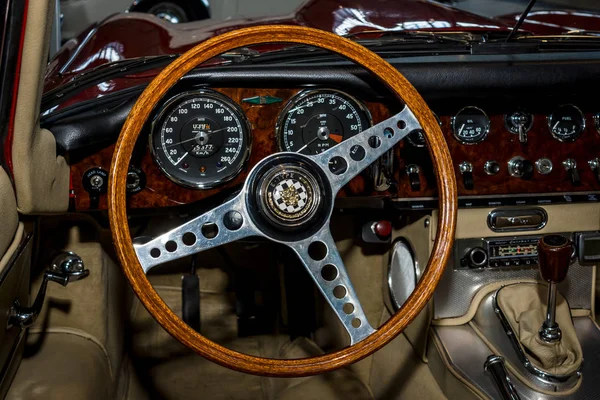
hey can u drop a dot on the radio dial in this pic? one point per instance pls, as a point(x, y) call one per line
point(477, 257)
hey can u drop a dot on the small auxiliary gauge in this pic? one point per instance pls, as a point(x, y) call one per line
point(566, 123)
point(470, 125)
point(417, 138)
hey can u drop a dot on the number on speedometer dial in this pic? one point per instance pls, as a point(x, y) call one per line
point(200, 139)
point(316, 120)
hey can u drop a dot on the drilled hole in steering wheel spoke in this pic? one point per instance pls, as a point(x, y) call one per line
point(189, 239)
point(171, 246)
point(374, 142)
point(317, 251)
point(339, 292)
point(338, 165)
point(329, 272)
point(348, 308)
point(210, 230)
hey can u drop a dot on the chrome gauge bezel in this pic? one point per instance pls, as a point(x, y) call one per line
point(567, 140)
point(482, 137)
point(596, 118)
point(168, 107)
point(297, 98)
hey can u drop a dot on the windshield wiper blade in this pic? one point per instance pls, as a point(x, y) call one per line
point(115, 69)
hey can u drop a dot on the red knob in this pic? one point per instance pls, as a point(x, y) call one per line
point(554, 255)
point(383, 229)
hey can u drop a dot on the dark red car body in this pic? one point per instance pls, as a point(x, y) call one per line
point(131, 35)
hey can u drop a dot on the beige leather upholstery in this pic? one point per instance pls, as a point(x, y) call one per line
point(8, 213)
point(62, 366)
point(41, 178)
point(524, 306)
point(167, 369)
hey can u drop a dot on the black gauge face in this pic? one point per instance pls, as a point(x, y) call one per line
point(200, 139)
point(417, 138)
point(566, 123)
point(470, 125)
point(316, 120)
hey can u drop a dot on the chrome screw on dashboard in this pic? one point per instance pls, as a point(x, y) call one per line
point(544, 166)
point(491, 167)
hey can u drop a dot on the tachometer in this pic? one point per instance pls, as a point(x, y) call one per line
point(200, 139)
point(316, 120)
point(566, 123)
point(470, 125)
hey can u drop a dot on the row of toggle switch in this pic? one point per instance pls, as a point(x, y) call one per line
point(518, 167)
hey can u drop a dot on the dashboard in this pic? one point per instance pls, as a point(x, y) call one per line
point(203, 140)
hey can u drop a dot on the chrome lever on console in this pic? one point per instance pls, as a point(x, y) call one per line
point(495, 366)
point(66, 267)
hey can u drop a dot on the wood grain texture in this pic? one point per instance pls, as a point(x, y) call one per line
point(398, 85)
point(502, 145)
point(162, 192)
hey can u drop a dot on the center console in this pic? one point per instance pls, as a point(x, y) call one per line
point(506, 304)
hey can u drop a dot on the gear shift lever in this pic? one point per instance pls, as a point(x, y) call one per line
point(554, 255)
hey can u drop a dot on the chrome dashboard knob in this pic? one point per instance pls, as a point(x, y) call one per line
point(520, 167)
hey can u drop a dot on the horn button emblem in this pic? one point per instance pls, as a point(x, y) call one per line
point(289, 196)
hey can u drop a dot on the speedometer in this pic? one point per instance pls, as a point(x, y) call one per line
point(316, 120)
point(200, 139)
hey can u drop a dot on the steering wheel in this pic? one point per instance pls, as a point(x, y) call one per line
point(304, 226)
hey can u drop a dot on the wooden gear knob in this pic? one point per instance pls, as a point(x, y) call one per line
point(554, 255)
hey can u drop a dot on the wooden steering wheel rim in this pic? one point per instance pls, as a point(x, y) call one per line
point(132, 268)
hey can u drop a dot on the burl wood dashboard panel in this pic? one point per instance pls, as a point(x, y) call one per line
point(500, 145)
point(162, 192)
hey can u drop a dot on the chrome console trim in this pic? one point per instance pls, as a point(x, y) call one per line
point(559, 380)
point(465, 352)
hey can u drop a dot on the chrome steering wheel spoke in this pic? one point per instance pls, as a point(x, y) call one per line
point(344, 161)
point(224, 224)
point(322, 260)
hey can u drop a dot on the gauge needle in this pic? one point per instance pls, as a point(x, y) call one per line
point(336, 138)
point(209, 134)
point(182, 157)
point(555, 125)
point(306, 145)
point(461, 129)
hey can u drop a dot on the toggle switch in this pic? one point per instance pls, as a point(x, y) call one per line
point(466, 170)
point(412, 171)
point(571, 168)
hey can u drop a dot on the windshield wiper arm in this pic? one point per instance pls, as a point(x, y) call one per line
point(101, 73)
point(521, 20)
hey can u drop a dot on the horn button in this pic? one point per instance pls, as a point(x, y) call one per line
point(289, 195)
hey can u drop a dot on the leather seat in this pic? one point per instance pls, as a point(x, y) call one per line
point(163, 368)
point(63, 364)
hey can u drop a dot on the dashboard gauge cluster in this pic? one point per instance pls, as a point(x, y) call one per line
point(313, 121)
point(200, 139)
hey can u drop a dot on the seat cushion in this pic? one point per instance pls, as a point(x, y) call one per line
point(64, 364)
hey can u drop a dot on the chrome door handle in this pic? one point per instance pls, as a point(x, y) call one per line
point(66, 267)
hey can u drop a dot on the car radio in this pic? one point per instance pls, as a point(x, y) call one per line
point(517, 251)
